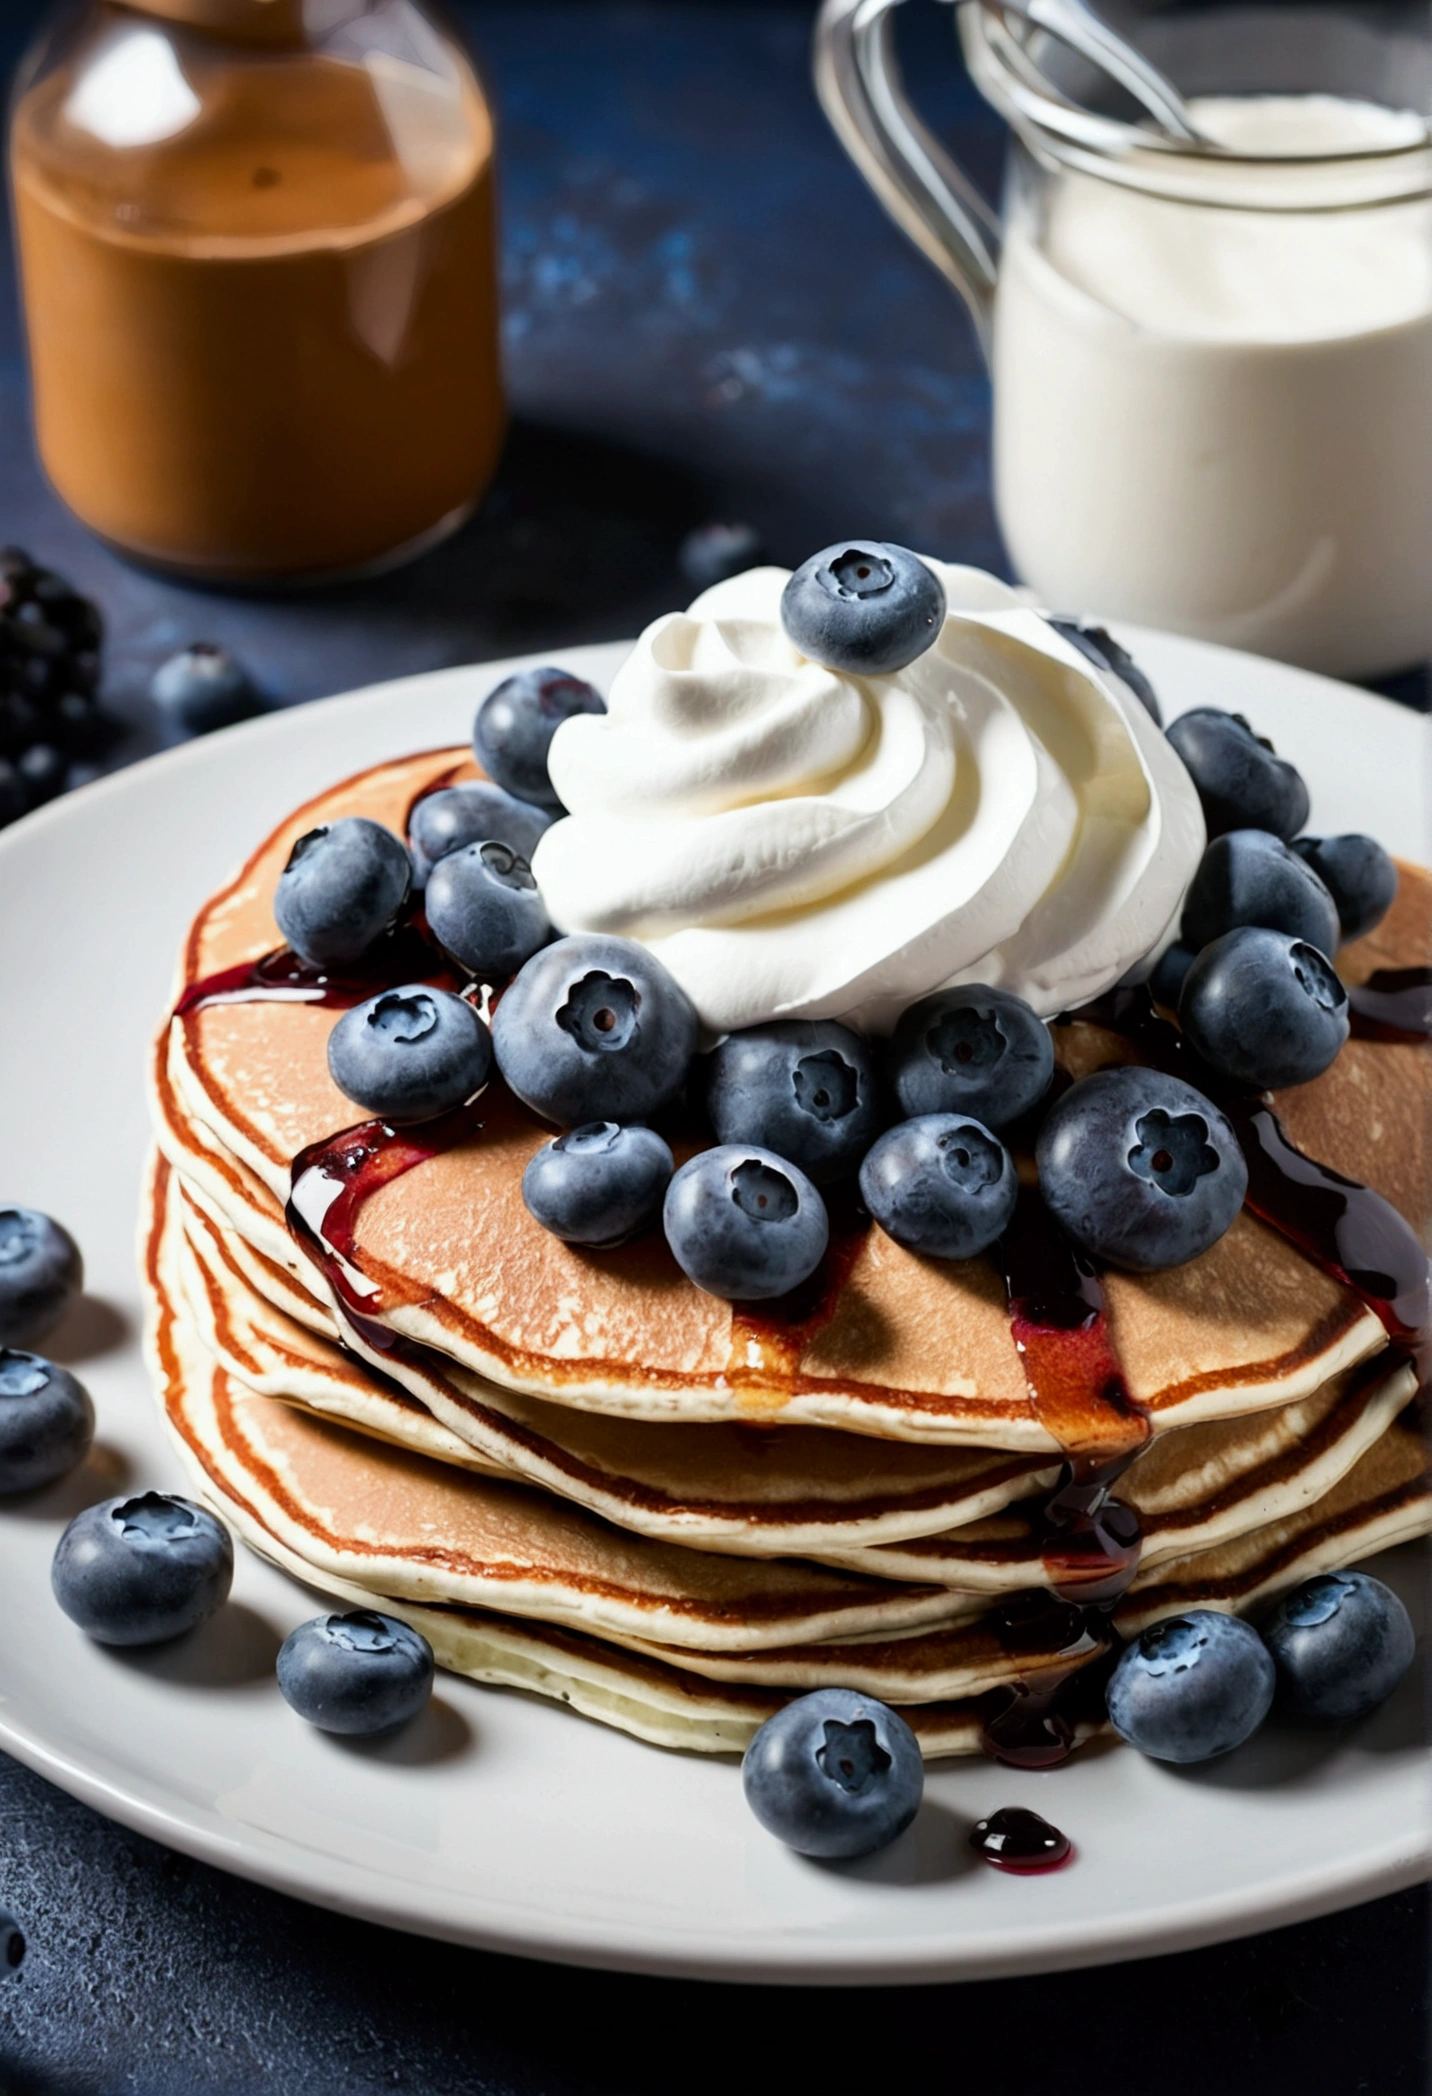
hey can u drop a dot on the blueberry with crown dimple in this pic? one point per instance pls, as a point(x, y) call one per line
point(594, 1029)
point(834, 1774)
point(471, 813)
point(46, 1421)
point(973, 1050)
point(410, 1053)
point(484, 909)
point(41, 1274)
point(599, 1184)
point(358, 1674)
point(941, 1185)
point(744, 1223)
point(863, 606)
point(1191, 1687)
point(139, 1570)
point(1139, 1169)
point(1264, 1008)
point(515, 723)
point(806, 1088)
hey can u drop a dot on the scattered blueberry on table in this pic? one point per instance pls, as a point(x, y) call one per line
point(744, 1223)
point(484, 909)
point(46, 1421)
point(1341, 1642)
point(143, 1569)
point(594, 1029)
point(1191, 1687)
point(807, 1088)
point(475, 812)
point(342, 887)
point(1140, 1169)
point(940, 1184)
point(864, 607)
point(410, 1053)
point(834, 1774)
point(599, 1184)
point(202, 688)
point(41, 1274)
point(973, 1050)
point(359, 1674)
point(1264, 1008)
point(516, 722)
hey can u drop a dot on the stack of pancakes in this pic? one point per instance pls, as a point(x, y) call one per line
point(579, 1475)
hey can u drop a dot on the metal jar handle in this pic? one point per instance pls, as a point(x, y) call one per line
point(857, 76)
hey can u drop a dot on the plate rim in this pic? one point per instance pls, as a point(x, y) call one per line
point(371, 1894)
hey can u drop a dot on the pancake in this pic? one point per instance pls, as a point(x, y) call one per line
point(894, 1346)
point(376, 1524)
point(1192, 1488)
point(753, 1489)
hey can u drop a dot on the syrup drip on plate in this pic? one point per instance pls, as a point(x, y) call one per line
point(1019, 1841)
point(329, 1183)
point(1395, 1004)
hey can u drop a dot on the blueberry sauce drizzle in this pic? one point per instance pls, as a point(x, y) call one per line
point(1395, 1004)
point(331, 1180)
point(407, 953)
point(1019, 1841)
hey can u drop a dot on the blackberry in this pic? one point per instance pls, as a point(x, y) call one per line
point(50, 643)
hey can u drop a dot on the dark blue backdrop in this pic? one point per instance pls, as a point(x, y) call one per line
point(706, 316)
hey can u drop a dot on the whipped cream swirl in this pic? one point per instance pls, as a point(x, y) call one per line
point(794, 842)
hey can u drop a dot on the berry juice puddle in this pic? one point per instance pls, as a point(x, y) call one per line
point(1090, 1540)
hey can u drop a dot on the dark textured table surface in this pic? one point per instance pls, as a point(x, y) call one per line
point(706, 316)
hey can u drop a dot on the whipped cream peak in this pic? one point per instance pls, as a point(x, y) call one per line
point(793, 841)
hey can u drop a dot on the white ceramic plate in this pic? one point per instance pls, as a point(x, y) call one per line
point(498, 1820)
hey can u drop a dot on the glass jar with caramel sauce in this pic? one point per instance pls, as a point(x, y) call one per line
point(257, 257)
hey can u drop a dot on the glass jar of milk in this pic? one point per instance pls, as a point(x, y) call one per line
point(1212, 364)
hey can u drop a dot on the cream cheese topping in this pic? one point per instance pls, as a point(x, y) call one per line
point(794, 842)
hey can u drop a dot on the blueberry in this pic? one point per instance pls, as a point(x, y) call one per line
point(46, 1421)
point(358, 1673)
point(473, 813)
point(599, 1184)
point(515, 725)
point(744, 1223)
point(972, 1051)
point(1167, 980)
point(1250, 877)
point(410, 1053)
point(834, 1774)
point(1106, 654)
point(42, 771)
point(343, 886)
point(1264, 1008)
point(41, 1274)
point(12, 1943)
point(136, 1571)
point(1140, 1169)
point(1241, 781)
point(594, 1029)
point(484, 910)
point(1341, 1642)
point(13, 798)
point(712, 553)
point(863, 606)
point(1359, 875)
point(940, 1184)
point(202, 688)
point(1191, 1687)
point(804, 1088)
